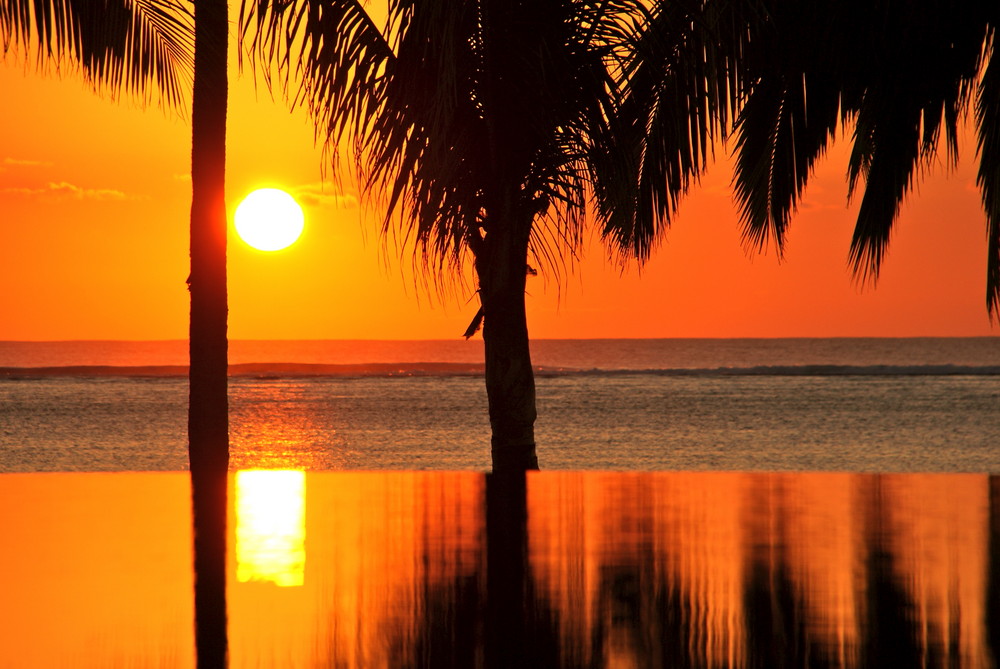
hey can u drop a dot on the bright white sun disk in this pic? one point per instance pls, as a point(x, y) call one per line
point(269, 219)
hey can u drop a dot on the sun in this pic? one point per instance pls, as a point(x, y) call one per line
point(269, 219)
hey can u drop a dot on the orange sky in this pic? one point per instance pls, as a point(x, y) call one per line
point(94, 198)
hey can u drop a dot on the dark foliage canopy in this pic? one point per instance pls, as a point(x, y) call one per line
point(614, 108)
point(135, 46)
point(900, 77)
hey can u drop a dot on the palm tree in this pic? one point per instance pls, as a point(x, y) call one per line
point(208, 409)
point(131, 46)
point(902, 75)
point(138, 45)
point(490, 131)
point(783, 76)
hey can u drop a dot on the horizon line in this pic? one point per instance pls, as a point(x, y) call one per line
point(459, 339)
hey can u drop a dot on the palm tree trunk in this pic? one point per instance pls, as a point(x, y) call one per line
point(510, 381)
point(208, 411)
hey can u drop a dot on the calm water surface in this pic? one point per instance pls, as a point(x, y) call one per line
point(412, 569)
point(623, 422)
point(878, 405)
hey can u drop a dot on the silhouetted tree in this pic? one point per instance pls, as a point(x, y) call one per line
point(901, 75)
point(131, 46)
point(783, 75)
point(139, 46)
point(490, 129)
point(208, 411)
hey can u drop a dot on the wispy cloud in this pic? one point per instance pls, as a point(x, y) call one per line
point(19, 162)
point(186, 177)
point(64, 190)
point(716, 190)
point(324, 195)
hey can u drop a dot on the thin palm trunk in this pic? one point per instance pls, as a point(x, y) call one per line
point(510, 382)
point(208, 422)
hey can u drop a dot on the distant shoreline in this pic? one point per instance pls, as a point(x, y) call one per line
point(253, 369)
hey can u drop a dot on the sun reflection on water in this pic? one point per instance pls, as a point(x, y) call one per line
point(271, 526)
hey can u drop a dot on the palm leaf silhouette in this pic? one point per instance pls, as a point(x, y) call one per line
point(135, 46)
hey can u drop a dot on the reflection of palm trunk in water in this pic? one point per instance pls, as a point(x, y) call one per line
point(993, 578)
point(506, 562)
point(209, 509)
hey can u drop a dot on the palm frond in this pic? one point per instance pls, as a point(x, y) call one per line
point(682, 88)
point(988, 178)
point(789, 116)
point(332, 49)
point(890, 162)
point(131, 46)
point(783, 129)
point(902, 74)
point(919, 85)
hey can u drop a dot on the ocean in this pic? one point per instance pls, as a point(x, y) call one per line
point(854, 405)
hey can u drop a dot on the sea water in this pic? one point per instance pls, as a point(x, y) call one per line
point(630, 568)
point(889, 405)
point(377, 570)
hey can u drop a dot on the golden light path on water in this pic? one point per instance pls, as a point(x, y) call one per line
point(271, 526)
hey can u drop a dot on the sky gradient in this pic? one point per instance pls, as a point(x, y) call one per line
point(95, 199)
